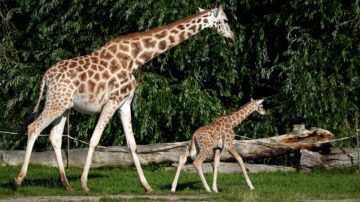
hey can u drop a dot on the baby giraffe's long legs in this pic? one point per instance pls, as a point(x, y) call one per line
point(236, 155)
point(182, 161)
point(216, 168)
point(198, 165)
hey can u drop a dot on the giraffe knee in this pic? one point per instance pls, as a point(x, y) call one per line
point(31, 129)
point(197, 164)
point(55, 141)
point(182, 159)
point(52, 139)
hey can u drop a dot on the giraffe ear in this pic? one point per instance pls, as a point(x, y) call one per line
point(216, 12)
point(220, 6)
point(201, 10)
point(260, 101)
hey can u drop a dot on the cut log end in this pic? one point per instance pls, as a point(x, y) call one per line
point(315, 136)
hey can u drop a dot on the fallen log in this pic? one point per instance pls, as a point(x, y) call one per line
point(337, 158)
point(118, 156)
point(229, 167)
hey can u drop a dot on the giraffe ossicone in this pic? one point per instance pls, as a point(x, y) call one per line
point(103, 81)
point(217, 136)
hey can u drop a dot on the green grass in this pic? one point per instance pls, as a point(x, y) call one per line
point(318, 184)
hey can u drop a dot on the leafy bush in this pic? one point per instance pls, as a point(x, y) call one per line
point(302, 56)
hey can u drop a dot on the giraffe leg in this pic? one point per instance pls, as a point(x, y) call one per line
point(125, 114)
point(56, 140)
point(216, 167)
point(182, 161)
point(198, 165)
point(108, 111)
point(236, 155)
point(34, 129)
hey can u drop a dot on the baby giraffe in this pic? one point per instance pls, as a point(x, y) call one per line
point(218, 135)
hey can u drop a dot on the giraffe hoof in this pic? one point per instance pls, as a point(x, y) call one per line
point(215, 190)
point(17, 182)
point(85, 189)
point(148, 190)
point(69, 189)
point(66, 185)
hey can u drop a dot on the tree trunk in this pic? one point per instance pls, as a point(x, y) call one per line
point(118, 156)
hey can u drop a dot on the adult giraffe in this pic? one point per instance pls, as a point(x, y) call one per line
point(103, 81)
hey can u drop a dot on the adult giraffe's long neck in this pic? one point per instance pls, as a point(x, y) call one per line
point(144, 46)
point(238, 116)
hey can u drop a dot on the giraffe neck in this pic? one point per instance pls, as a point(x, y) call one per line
point(141, 47)
point(238, 116)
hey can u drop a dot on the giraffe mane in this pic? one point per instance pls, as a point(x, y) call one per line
point(158, 29)
point(231, 113)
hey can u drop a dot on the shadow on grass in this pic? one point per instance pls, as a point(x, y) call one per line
point(46, 182)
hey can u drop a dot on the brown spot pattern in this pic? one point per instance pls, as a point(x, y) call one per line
point(113, 49)
point(181, 27)
point(125, 88)
point(105, 75)
point(81, 88)
point(97, 77)
point(94, 60)
point(114, 68)
point(174, 31)
point(106, 56)
point(83, 76)
point(124, 63)
point(146, 56)
point(149, 43)
point(162, 45)
point(193, 28)
point(172, 39)
point(90, 73)
point(135, 48)
point(124, 47)
point(161, 35)
point(91, 85)
point(104, 63)
point(182, 36)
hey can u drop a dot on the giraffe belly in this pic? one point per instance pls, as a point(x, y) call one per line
point(84, 105)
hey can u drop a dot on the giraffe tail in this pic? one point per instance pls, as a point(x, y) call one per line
point(192, 147)
point(42, 86)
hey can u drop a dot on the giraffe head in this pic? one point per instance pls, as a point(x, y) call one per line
point(259, 106)
point(219, 21)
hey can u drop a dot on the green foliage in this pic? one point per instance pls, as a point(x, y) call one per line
point(302, 56)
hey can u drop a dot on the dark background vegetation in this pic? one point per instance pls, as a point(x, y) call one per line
point(302, 56)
